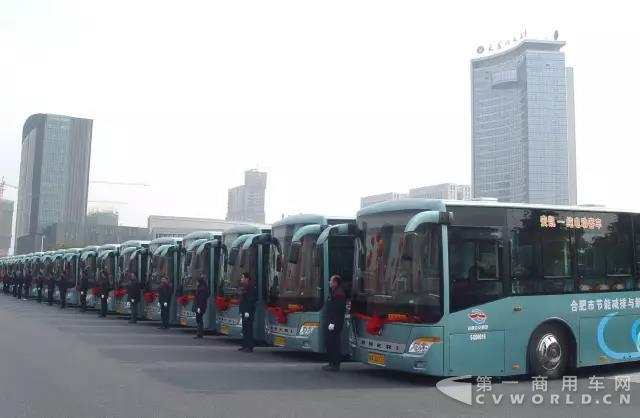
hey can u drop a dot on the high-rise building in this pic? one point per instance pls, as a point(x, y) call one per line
point(54, 176)
point(246, 203)
point(103, 217)
point(379, 198)
point(522, 101)
point(6, 223)
point(445, 191)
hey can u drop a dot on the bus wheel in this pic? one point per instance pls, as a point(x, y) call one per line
point(548, 352)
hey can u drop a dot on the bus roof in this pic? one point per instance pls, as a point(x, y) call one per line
point(165, 240)
point(442, 205)
point(246, 229)
point(134, 243)
point(197, 235)
point(306, 218)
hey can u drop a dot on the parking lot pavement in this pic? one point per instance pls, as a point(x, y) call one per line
point(63, 363)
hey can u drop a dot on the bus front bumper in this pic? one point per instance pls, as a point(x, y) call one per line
point(387, 353)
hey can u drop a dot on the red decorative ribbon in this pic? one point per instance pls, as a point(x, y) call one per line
point(95, 291)
point(221, 303)
point(182, 300)
point(279, 314)
point(118, 293)
point(375, 323)
point(148, 297)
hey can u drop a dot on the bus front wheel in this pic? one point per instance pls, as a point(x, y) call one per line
point(548, 352)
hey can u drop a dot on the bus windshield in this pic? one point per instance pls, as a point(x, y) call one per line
point(231, 279)
point(194, 268)
point(160, 266)
point(303, 281)
point(88, 268)
point(395, 280)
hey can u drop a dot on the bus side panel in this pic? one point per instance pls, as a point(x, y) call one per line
point(477, 353)
point(609, 339)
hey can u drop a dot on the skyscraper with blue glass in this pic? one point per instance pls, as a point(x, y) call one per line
point(523, 137)
point(54, 176)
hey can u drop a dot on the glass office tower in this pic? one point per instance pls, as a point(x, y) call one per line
point(54, 176)
point(521, 145)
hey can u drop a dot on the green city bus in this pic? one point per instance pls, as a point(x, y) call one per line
point(245, 248)
point(70, 267)
point(478, 288)
point(298, 280)
point(132, 259)
point(164, 259)
point(89, 268)
point(200, 260)
point(107, 263)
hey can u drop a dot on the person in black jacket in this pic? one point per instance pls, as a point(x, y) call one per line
point(200, 305)
point(333, 321)
point(51, 287)
point(133, 291)
point(40, 284)
point(27, 284)
point(63, 285)
point(19, 283)
point(165, 293)
point(104, 287)
point(248, 300)
point(84, 288)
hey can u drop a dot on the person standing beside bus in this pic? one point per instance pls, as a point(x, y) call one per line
point(200, 306)
point(133, 290)
point(63, 284)
point(51, 287)
point(333, 321)
point(164, 300)
point(104, 287)
point(27, 284)
point(20, 282)
point(40, 283)
point(84, 288)
point(247, 307)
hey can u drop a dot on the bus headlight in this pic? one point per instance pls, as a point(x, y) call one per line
point(308, 327)
point(422, 345)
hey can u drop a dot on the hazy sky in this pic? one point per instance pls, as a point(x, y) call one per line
point(335, 99)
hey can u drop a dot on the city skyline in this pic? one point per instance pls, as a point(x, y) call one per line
point(395, 112)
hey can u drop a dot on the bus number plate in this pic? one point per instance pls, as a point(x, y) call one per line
point(375, 358)
point(224, 329)
point(278, 341)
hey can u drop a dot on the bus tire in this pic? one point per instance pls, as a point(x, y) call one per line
point(548, 351)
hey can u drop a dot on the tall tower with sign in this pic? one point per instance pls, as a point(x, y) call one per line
point(523, 141)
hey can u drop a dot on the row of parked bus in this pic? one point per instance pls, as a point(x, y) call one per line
point(435, 287)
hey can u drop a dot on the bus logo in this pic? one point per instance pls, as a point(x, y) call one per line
point(477, 316)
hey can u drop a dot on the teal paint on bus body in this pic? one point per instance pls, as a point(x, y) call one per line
point(304, 331)
point(492, 338)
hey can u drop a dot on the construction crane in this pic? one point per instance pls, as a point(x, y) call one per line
point(107, 202)
point(3, 185)
point(119, 183)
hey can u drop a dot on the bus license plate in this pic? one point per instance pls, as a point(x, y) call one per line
point(278, 341)
point(375, 358)
point(224, 329)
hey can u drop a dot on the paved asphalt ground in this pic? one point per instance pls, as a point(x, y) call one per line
point(62, 363)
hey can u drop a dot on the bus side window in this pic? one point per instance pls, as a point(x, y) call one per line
point(604, 255)
point(475, 257)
